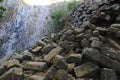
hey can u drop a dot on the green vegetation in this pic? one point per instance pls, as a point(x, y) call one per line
point(60, 14)
point(2, 10)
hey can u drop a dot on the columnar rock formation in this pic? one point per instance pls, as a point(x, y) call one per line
point(89, 52)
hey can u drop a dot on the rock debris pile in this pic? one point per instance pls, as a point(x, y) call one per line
point(76, 53)
point(99, 12)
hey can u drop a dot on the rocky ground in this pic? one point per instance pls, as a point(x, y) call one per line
point(89, 52)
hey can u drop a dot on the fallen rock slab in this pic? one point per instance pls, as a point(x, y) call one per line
point(108, 74)
point(53, 53)
point(13, 74)
point(50, 74)
point(12, 63)
point(59, 62)
point(95, 56)
point(36, 77)
point(74, 58)
point(61, 75)
point(39, 66)
point(85, 69)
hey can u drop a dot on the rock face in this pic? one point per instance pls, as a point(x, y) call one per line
point(22, 26)
point(86, 53)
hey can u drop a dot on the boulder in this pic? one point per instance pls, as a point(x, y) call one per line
point(12, 63)
point(41, 43)
point(86, 69)
point(74, 58)
point(53, 53)
point(61, 75)
point(96, 57)
point(36, 50)
point(116, 25)
point(113, 29)
point(36, 77)
point(108, 74)
point(38, 66)
point(13, 74)
point(96, 44)
point(50, 74)
point(85, 43)
point(59, 62)
point(47, 48)
point(2, 70)
point(111, 53)
point(118, 19)
point(117, 35)
point(70, 67)
point(27, 55)
point(79, 36)
point(114, 44)
point(79, 30)
point(95, 33)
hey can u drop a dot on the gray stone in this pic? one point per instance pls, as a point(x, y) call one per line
point(36, 50)
point(101, 29)
point(59, 62)
point(94, 38)
point(74, 58)
point(102, 38)
point(69, 32)
point(111, 53)
point(116, 25)
point(79, 30)
point(12, 63)
point(61, 75)
point(118, 19)
point(117, 34)
point(47, 48)
point(71, 38)
point(53, 53)
point(79, 36)
point(36, 77)
point(2, 70)
point(114, 44)
point(50, 74)
point(65, 45)
point(39, 66)
point(54, 37)
point(71, 77)
point(70, 67)
point(85, 69)
point(95, 33)
point(18, 57)
point(85, 43)
point(88, 25)
point(27, 55)
point(116, 7)
point(13, 74)
point(96, 44)
point(96, 57)
point(41, 43)
point(88, 36)
point(108, 74)
point(113, 29)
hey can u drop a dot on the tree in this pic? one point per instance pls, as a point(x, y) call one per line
point(2, 10)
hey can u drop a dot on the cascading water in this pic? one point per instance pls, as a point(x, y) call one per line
point(22, 26)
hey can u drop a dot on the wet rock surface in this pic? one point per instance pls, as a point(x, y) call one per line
point(93, 53)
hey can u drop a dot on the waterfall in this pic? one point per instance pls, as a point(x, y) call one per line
point(22, 26)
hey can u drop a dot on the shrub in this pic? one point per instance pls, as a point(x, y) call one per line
point(60, 14)
point(2, 10)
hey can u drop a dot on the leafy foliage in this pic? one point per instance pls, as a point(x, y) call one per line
point(61, 13)
point(2, 10)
